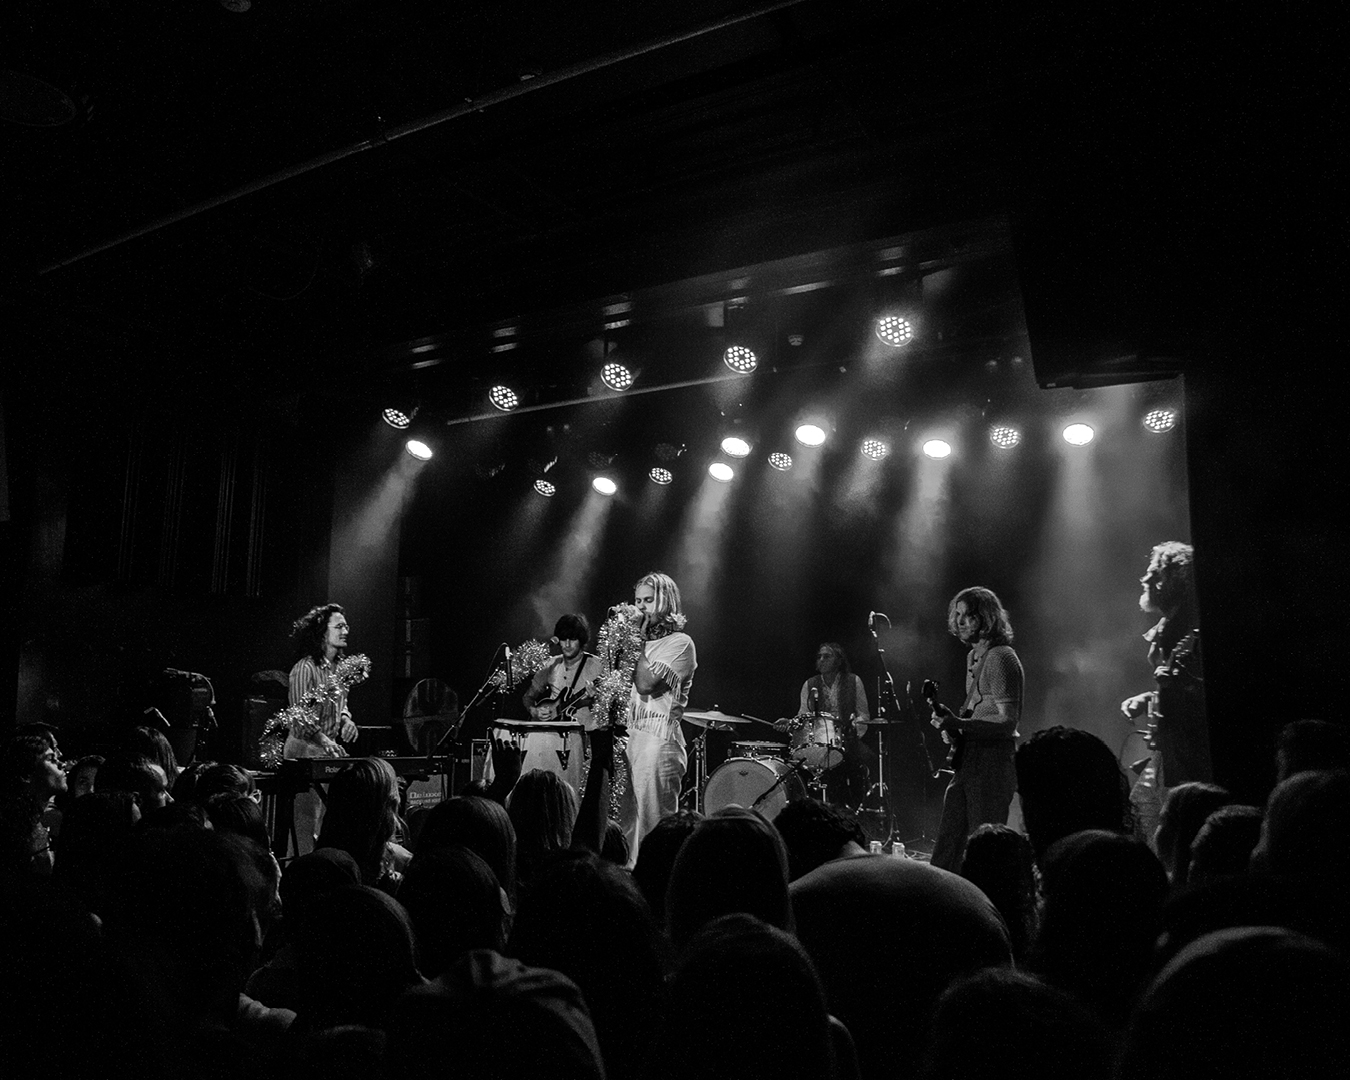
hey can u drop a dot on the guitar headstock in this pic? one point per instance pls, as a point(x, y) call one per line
point(930, 691)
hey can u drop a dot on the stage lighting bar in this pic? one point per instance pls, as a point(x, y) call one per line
point(1159, 421)
point(1004, 436)
point(937, 449)
point(604, 485)
point(545, 489)
point(503, 398)
point(1079, 434)
point(780, 461)
point(735, 446)
point(661, 476)
point(895, 330)
point(418, 449)
point(810, 434)
point(876, 449)
point(721, 472)
point(740, 359)
point(616, 376)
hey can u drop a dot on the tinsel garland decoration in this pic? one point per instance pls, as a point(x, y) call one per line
point(528, 658)
point(617, 782)
point(619, 644)
point(303, 718)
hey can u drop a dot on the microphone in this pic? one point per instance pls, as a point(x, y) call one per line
point(509, 681)
point(815, 701)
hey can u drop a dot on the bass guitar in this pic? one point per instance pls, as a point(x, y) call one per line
point(951, 734)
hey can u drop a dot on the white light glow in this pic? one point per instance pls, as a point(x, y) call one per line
point(876, 449)
point(735, 447)
point(1004, 436)
point(420, 450)
point(604, 485)
point(1079, 434)
point(721, 472)
point(503, 397)
point(810, 435)
point(937, 448)
point(895, 330)
point(740, 359)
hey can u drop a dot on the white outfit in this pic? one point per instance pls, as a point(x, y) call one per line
point(655, 753)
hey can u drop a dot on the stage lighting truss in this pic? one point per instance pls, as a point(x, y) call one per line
point(721, 472)
point(544, 488)
point(780, 461)
point(895, 330)
point(810, 434)
point(1159, 421)
point(937, 449)
point(615, 376)
point(418, 449)
point(503, 398)
point(604, 485)
point(740, 359)
point(398, 419)
point(1079, 434)
point(876, 449)
point(735, 446)
point(1004, 436)
point(661, 476)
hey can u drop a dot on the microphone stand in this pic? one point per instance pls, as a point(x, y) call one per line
point(885, 688)
point(481, 694)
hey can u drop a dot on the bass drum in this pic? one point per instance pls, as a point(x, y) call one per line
point(763, 784)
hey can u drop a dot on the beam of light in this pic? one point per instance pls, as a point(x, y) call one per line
point(1079, 434)
point(937, 449)
point(810, 434)
point(418, 449)
point(697, 556)
point(721, 472)
point(562, 581)
point(604, 485)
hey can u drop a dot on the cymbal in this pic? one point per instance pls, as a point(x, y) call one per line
point(714, 719)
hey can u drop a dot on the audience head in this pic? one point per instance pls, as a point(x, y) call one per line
point(95, 831)
point(218, 778)
point(1102, 914)
point(1025, 1028)
point(1184, 811)
point(482, 826)
point(543, 808)
point(1306, 830)
point(732, 861)
point(656, 857)
point(30, 775)
point(308, 879)
point(356, 956)
point(1311, 745)
point(504, 1020)
point(1069, 780)
point(583, 916)
point(614, 846)
point(814, 833)
point(240, 815)
point(455, 904)
point(1223, 847)
point(148, 742)
point(361, 815)
point(83, 776)
point(998, 860)
point(145, 780)
point(1249, 1003)
point(739, 975)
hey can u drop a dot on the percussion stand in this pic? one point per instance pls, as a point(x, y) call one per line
point(700, 747)
point(885, 688)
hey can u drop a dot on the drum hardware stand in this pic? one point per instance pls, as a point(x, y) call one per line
point(885, 687)
point(700, 748)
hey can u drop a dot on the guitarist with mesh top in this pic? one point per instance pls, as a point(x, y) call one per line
point(1178, 728)
point(983, 734)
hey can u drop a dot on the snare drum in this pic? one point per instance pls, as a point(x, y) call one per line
point(817, 742)
point(759, 748)
point(763, 784)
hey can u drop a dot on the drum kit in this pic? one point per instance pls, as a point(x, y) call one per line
point(766, 775)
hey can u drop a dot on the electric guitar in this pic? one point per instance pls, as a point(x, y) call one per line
point(565, 706)
point(1175, 666)
point(956, 742)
